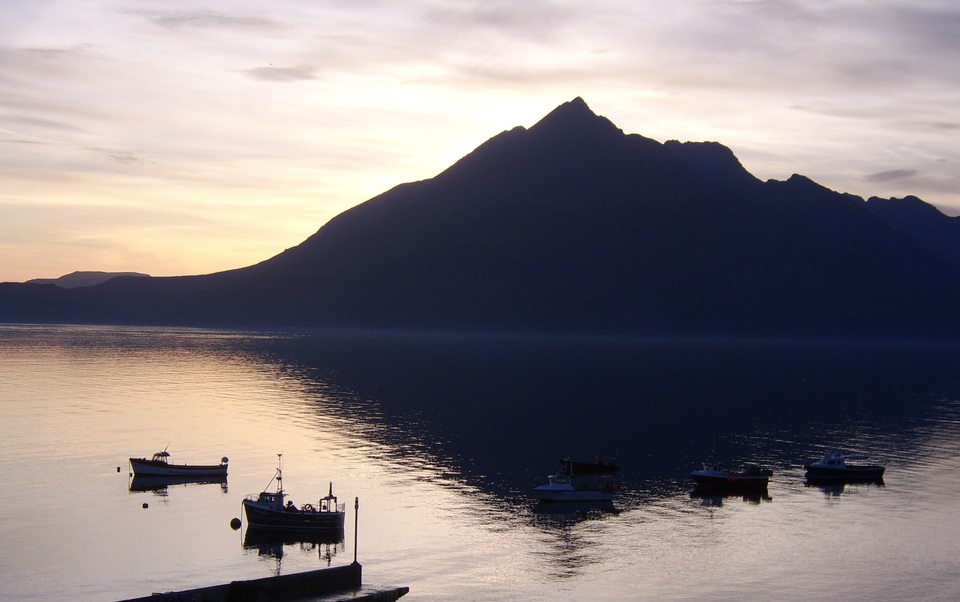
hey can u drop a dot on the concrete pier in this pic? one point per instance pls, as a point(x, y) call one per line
point(340, 583)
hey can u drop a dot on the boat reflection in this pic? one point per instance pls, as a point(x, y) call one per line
point(713, 496)
point(836, 486)
point(271, 542)
point(159, 485)
point(574, 511)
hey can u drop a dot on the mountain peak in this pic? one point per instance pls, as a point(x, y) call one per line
point(575, 118)
point(577, 105)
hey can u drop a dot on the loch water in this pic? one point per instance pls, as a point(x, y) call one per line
point(440, 438)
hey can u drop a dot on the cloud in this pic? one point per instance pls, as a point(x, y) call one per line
point(119, 156)
point(283, 74)
point(206, 20)
point(40, 122)
point(890, 175)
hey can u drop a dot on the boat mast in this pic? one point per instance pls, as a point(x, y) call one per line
point(278, 476)
point(279, 473)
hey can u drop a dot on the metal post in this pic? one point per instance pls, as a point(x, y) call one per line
point(356, 514)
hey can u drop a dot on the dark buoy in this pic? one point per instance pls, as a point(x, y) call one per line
point(235, 523)
point(118, 469)
point(146, 505)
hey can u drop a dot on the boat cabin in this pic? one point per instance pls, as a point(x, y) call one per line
point(274, 500)
point(161, 456)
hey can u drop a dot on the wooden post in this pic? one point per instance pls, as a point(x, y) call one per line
point(356, 521)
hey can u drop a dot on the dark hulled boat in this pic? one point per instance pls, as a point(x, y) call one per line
point(271, 510)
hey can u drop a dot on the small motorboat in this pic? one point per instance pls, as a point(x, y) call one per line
point(160, 466)
point(268, 510)
point(714, 475)
point(836, 465)
point(591, 481)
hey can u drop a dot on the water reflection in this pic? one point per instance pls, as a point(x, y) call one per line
point(835, 487)
point(485, 417)
point(446, 438)
point(159, 485)
point(712, 496)
point(272, 543)
point(574, 511)
point(490, 412)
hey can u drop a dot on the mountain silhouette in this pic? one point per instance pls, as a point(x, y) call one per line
point(81, 279)
point(573, 226)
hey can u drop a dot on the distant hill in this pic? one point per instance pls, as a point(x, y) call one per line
point(81, 279)
point(573, 226)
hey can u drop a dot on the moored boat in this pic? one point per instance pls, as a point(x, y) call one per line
point(591, 481)
point(269, 510)
point(836, 465)
point(714, 475)
point(160, 466)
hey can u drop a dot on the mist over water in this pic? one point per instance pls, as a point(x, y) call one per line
point(441, 438)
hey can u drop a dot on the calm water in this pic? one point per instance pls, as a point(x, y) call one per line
point(442, 439)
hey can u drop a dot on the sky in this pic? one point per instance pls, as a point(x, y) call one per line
point(189, 137)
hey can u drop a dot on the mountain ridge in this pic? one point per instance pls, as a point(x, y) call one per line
point(80, 279)
point(571, 225)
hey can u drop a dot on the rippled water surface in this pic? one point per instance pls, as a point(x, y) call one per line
point(441, 439)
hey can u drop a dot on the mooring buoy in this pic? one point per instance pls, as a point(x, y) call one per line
point(146, 505)
point(235, 523)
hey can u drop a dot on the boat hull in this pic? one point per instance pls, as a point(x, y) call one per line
point(153, 468)
point(263, 517)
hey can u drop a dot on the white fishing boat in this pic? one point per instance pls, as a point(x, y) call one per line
point(839, 466)
point(160, 466)
point(592, 481)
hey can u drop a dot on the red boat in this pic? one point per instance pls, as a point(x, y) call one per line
point(714, 475)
